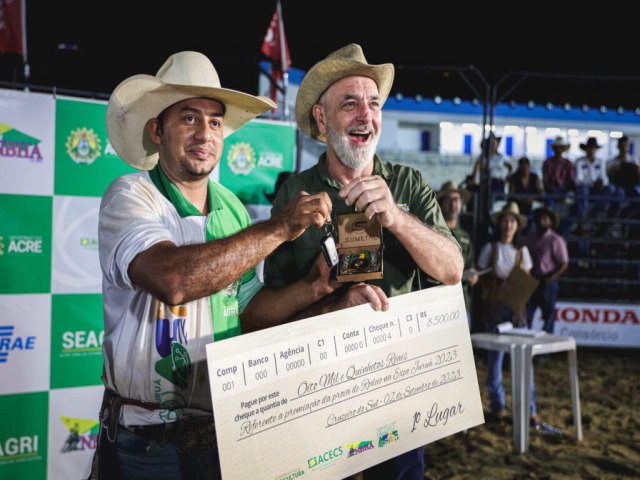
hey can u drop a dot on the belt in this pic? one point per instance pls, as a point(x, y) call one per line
point(190, 434)
point(161, 432)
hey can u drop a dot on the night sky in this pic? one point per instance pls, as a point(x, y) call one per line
point(580, 57)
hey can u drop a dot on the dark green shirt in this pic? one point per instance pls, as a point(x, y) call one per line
point(293, 260)
point(469, 258)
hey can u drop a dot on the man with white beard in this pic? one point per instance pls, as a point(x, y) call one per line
point(340, 103)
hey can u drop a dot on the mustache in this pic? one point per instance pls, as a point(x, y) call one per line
point(203, 145)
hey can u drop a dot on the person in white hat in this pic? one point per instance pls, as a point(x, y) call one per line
point(502, 254)
point(178, 253)
point(557, 173)
point(339, 103)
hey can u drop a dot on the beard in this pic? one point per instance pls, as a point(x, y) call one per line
point(355, 157)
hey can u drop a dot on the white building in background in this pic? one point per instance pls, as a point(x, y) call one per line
point(441, 137)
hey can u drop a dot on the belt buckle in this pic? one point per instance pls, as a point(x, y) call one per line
point(195, 434)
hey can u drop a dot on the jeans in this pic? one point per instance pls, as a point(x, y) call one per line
point(135, 457)
point(495, 387)
point(545, 296)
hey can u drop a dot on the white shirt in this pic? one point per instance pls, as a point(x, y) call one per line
point(151, 352)
point(505, 258)
point(588, 172)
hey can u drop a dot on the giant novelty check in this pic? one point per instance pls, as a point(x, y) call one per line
point(331, 395)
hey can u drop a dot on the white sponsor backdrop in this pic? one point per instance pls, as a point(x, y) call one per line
point(75, 263)
point(29, 349)
point(72, 408)
point(32, 114)
point(597, 324)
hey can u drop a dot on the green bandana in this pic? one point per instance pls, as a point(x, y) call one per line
point(224, 326)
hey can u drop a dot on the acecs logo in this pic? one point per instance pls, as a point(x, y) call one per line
point(325, 457)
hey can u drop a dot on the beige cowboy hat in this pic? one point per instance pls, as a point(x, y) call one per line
point(342, 63)
point(451, 187)
point(560, 142)
point(140, 98)
point(510, 208)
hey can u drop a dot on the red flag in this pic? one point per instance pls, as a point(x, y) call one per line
point(12, 27)
point(276, 49)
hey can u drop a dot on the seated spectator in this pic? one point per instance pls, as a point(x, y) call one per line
point(525, 185)
point(622, 157)
point(623, 170)
point(557, 172)
point(499, 167)
point(592, 182)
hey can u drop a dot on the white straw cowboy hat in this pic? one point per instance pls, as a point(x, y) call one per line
point(452, 187)
point(342, 63)
point(510, 208)
point(142, 97)
point(559, 142)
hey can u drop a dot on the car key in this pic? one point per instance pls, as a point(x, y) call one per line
point(328, 245)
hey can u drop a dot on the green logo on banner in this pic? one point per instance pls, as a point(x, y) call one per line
point(25, 244)
point(254, 156)
point(77, 331)
point(85, 162)
point(23, 435)
point(83, 145)
point(241, 158)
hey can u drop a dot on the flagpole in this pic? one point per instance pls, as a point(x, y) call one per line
point(27, 67)
point(283, 66)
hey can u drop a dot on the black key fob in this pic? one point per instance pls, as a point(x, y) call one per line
point(329, 250)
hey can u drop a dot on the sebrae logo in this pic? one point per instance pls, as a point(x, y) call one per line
point(16, 144)
point(21, 245)
point(83, 434)
point(387, 434)
point(9, 343)
point(83, 145)
point(241, 158)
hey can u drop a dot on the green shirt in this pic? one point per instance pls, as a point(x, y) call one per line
point(469, 258)
point(293, 260)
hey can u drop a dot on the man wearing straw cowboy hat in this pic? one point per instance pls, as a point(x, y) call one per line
point(451, 199)
point(340, 103)
point(178, 254)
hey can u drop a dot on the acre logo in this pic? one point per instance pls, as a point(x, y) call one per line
point(21, 245)
point(9, 343)
point(83, 145)
point(241, 158)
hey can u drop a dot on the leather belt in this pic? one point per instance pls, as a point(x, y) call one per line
point(161, 432)
point(190, 435)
